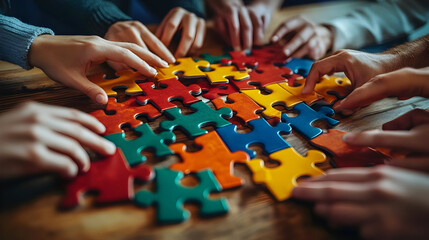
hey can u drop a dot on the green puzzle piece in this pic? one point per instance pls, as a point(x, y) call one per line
point(191, 124)
point(148, 140)
point(170, 196)
point(214, 59)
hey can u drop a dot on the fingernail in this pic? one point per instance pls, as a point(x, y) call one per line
point(153, 71)
point(287, 52)
point(173, 59)
point(349, 137)
point(274, 38)
point(111, 148)
point(102, 128)
point(346, 112)
point(164, 63)
point(100, 98)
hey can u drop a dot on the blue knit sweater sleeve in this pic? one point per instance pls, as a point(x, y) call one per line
point(16, 39)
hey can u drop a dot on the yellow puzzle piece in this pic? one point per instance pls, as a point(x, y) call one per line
point(221, 72)
point(127, 79)
point(332, 88)
point(281, 180)
point(308, 98)
point(188, 66)
point(278, 96)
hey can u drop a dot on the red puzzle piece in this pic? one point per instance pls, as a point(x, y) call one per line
point(263, 75)
point(240, 60)
point(345, 155)
point(214, 155)
point(269, 54)
point(168, 90)
point(216, 90)
point(111, 177)
point(125, 112)
point(242, 105)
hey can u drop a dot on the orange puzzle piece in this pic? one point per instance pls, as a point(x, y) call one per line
point(188, 66)
point(242, 105)
point(126, 79)
point(345, 155)
point(214, 155)
point(333, 88)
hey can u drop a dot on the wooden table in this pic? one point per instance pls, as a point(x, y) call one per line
point(30, 206)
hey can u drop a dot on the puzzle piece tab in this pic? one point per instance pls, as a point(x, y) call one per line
point(124, 112)
point(188, 66)
point(220, 74)
point(333, 88)
point(216, 90)
point(169, 90)
point(281, 180)
point(306, 116)
point(147, 141)
point(262, 133)
point(111, 177)
point(170, 196)
point(296, 91)
point(300, 66)
point(242, 105)
point(278, 96)
point(241, 60)
point(263, 75)
point(214, 155)
point(126, 79)
point(192, 124)
point(345, 155)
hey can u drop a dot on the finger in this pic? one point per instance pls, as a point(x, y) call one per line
point(343, 213)
point(220, 26)
point(415, 163)
point(315, 49)
point(408, 120)
point(159, 31)
point(332, 191)
point(117, 66)
point(199, 39)
point(347, 175)
point(189, 24)
point(55, 162)
point(389, 139)
point(233, 24)
point(287, 27)
point(155, 45)
point(301, 52)
point(258, 28)
point(300, 38)
point(144, 54)
point(171, 27)
point(246, 28)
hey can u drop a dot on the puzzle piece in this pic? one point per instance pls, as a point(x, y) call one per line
point(262, 133)
point(241, 60)
point(111, 177)
point(220, 74)
point(169, 90)
point(214, 155)
point(126, 79)
point(188, 66)
point(333, 88)
point(278, 96)
point(281, 180)
point(170, 196)
point(263, 75)
point(192, 124)
point(269, 54)
point(148, 140)
point(214, 59)
point(125, 112)
point(345, 155)
point(296, 90)
point(300, 66)
point(216, 90)
point(306, 116)
point(244, 107)
point(294, 80)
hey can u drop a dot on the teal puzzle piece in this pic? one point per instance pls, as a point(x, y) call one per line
point(214, 59)
point(192, 124)
point(148, 140)
point(170, 196)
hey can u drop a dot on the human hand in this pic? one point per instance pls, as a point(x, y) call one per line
point(41, 138)
point(137, 33)
point(406, 135)
point(383, 202)
point(66, 59)
point(300, 37)
point(193, 31)
point(245, 25)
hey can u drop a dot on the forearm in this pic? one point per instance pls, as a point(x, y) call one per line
point(16, 39)
point(413, 54)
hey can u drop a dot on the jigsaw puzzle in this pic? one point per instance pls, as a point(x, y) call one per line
point(170, 196)
point(300, 66)
point(126, 79)
point(262, 134)
point(215, 59)
point(148, 140)
point(214, 91)
point(168, 90)
point(219, 73)
point(263, 75)
point(111, 177)
point(242, 106)
point(192, 124)
point(280, 180)
point(117, 114)
point(214, 155)
point(296, 91)
point(345, 155)
point(241, 60)
point(333, 88)
point(302, 123)
point(187, 66)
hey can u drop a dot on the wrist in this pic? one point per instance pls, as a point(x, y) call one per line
point(34, 53)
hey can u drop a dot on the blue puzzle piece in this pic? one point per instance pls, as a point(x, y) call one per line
point(302, 122)
point(300, 66)
point(262, 133)
point(170, 196)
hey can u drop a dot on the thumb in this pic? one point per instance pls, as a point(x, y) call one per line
point(92, 90)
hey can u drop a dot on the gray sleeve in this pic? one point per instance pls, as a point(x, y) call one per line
point(378, 23)
point(16, 39)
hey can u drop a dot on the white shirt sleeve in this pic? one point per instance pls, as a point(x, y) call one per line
point(378, 22)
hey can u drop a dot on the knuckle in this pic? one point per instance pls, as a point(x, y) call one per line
point(172, 25)
point(35, 152)
point(34, 132)
point(76, 114)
